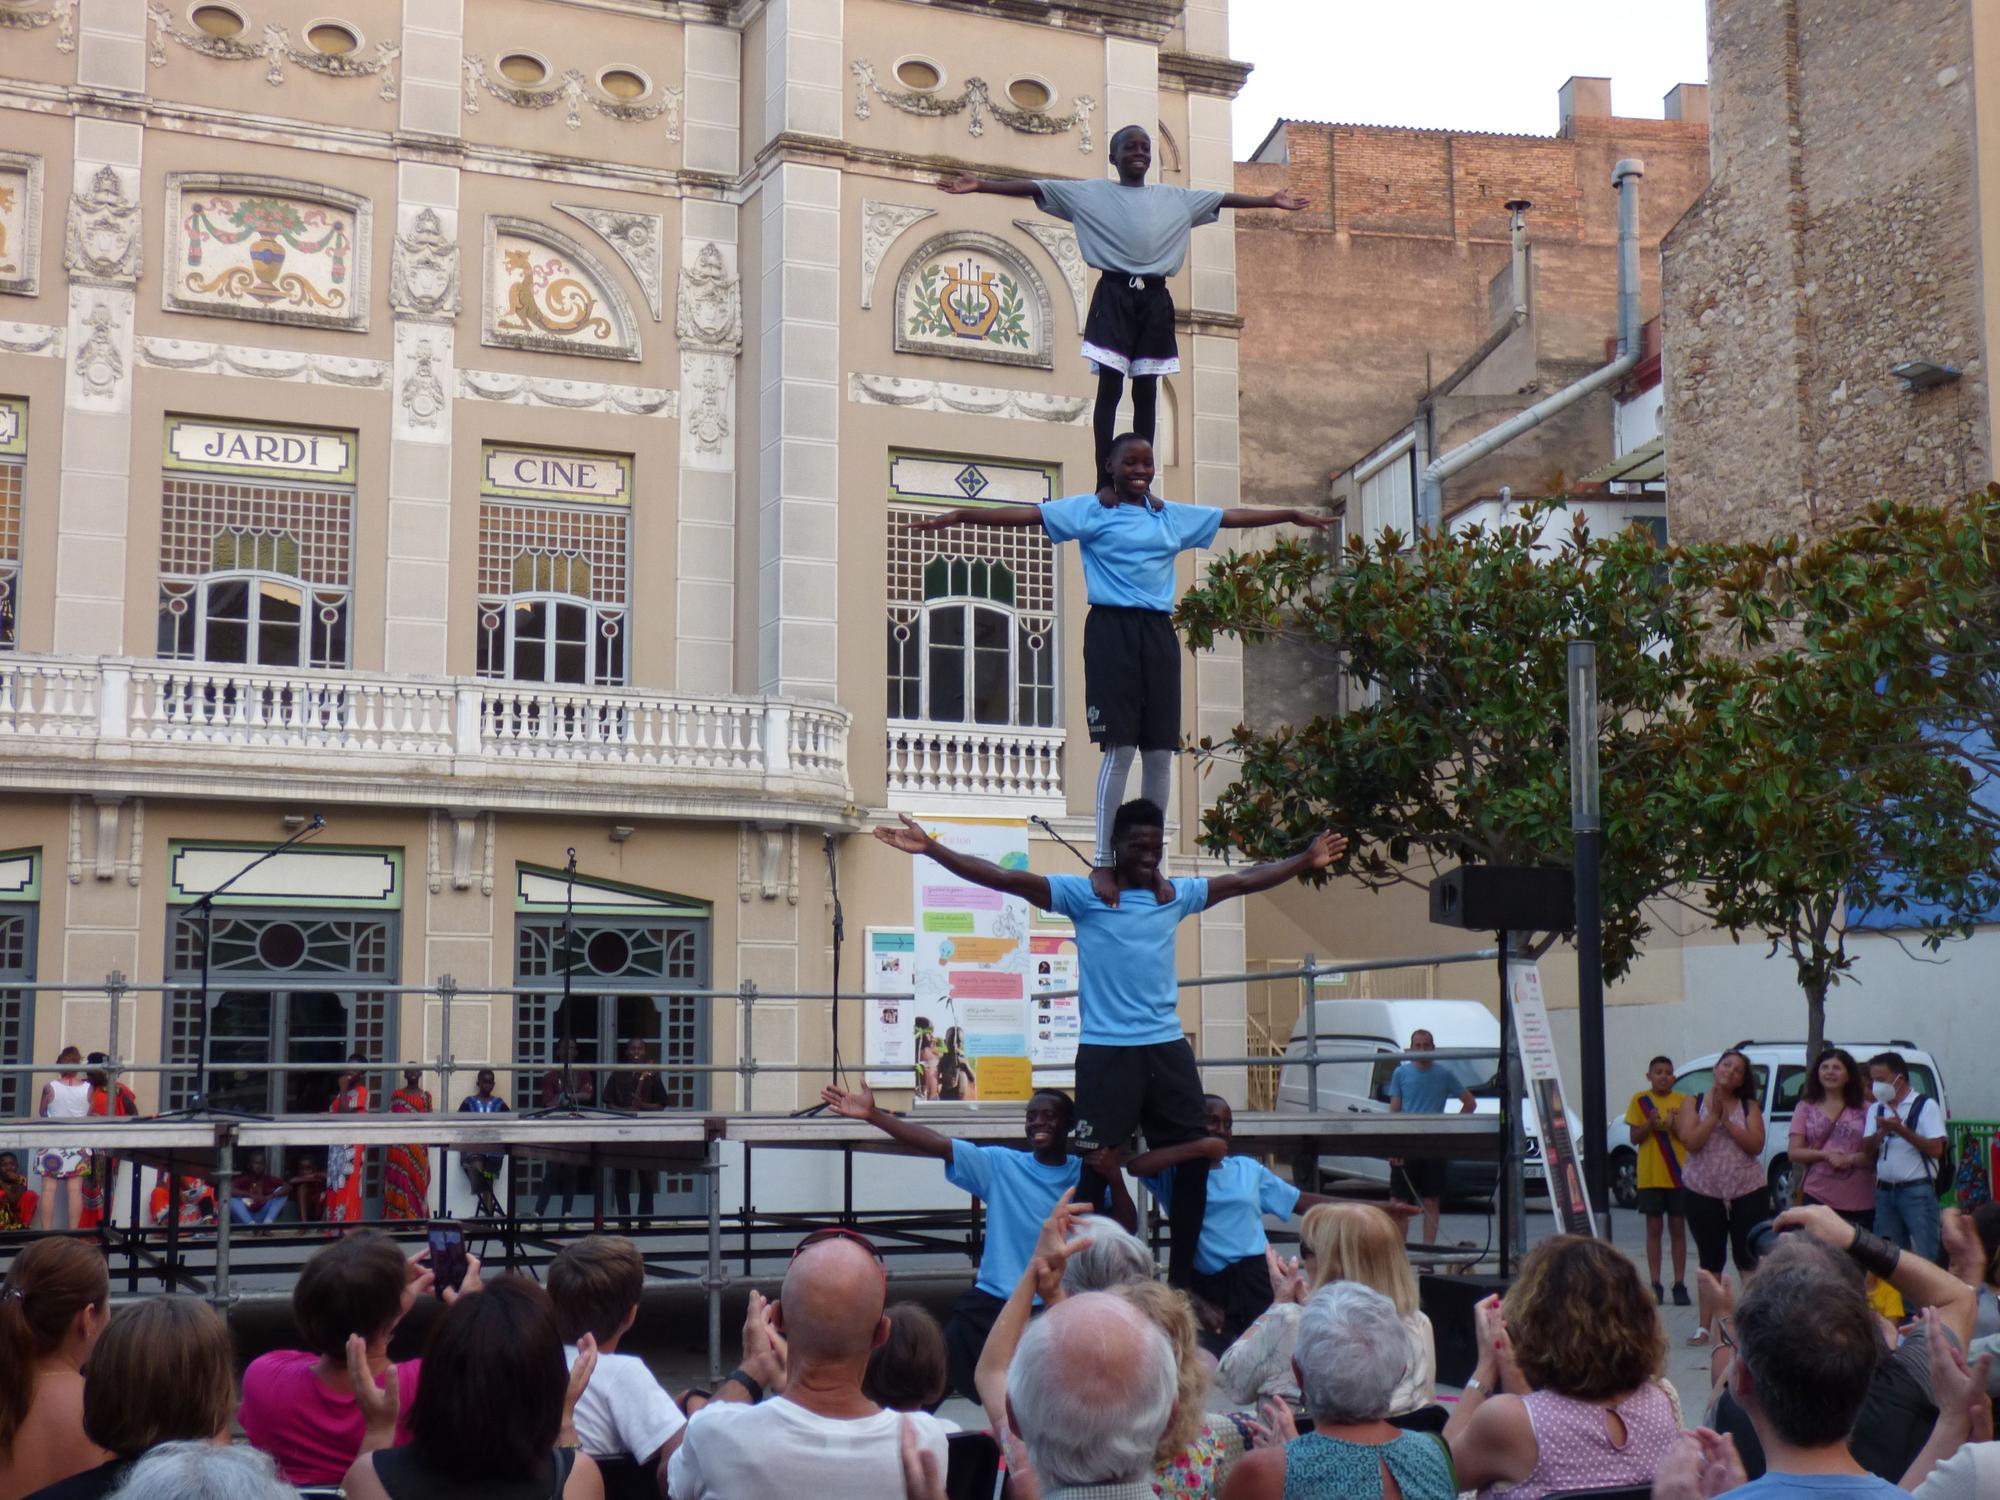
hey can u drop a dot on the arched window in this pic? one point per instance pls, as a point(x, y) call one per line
point(548, 628)
point(971, 649)
point(253, 607)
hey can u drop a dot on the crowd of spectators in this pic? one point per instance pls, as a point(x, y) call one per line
point(1094, 1382)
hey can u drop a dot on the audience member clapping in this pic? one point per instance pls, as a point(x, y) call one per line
point(1567, 1391)
point(205, 1471)
point(625, 1419)
point(907, 1370)
point(495, 1416)
point(1351, 1355)
point(1193, 1458)
point(823, 1435)
point(299, 1404)
point(1337, 1242)
point(1089, 1394)
point(163, 1372)
point(53, 1305)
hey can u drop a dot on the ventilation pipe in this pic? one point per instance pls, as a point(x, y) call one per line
point(1626, 176)
point(1517, 234)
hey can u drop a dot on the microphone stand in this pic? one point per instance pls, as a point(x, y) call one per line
point(839, 935)
point(200, 1107)
point(566, 1105)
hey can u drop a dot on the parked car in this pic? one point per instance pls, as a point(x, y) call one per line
point(1778, 1072)
point(1384, 1027)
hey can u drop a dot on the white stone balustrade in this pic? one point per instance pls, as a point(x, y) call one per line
point(935, 768)
point(197, 729)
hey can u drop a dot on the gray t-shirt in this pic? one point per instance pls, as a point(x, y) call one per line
point(1139, 231)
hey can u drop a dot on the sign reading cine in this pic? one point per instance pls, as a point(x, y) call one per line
point(530, 471)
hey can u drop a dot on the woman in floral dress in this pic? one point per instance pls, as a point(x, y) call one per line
point(1199, 1448)
point(66, 1097)
point(343, 1163)
point(100, 1177)
point(1826, 1140)
point(406, 1169)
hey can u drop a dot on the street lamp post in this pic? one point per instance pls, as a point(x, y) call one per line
point(1586, 824)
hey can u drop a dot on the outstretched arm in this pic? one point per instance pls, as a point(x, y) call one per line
point(1006, 187)
point(1921, 1283)
point(981, 515)
point(1321, 852)
point(1201, 1148)
point(1243, 516)
point(860, 1105)
point(912, 839)
point(1291, 203)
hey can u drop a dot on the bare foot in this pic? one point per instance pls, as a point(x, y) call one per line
point(1104, 885)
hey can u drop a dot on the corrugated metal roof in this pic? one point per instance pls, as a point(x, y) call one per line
point(1645, 464)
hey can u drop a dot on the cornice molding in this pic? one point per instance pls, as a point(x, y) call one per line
point(1199, 73)
point(1138, 20)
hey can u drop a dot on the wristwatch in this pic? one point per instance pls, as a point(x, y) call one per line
point(1476, 1386)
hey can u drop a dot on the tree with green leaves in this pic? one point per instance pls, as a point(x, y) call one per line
point(1452, 745)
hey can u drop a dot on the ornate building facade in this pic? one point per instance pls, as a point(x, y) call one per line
point(494, 428)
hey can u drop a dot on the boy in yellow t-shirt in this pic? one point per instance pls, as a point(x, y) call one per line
point(1650, 1118)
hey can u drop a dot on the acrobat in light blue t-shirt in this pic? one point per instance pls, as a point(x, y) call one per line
point(1424, 1091)
point(1240, 1193)
point(1126, 959)
point(1129, 550)
point(1018, 1192)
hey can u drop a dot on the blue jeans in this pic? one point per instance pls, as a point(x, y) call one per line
point(1906, 1214)
point(240, 1211)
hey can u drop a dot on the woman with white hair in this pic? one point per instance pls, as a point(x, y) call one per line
point(1351, 1353)
point(204, 1471)
point(1104, 1254)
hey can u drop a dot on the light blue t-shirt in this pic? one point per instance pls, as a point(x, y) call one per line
point(1424, 1091)
point(1816, 1487)
point(1018, 1192)
point(1125, 958)
point(1240, 1193)
point(1140, 231)
point(1129, 550)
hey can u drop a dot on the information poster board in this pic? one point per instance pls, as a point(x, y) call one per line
point(971, 956)
point(1057, 1022)
point(889, 1044)
point(1557, 1121)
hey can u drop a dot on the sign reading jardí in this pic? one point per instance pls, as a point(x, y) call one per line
point(302, 451)
point(547, 474)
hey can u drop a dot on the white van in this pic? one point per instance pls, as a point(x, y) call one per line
point(1379, 1027)
point(1778, 1071)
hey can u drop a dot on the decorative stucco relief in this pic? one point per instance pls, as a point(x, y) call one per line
point(101, 245)
point(975, 101)
point(19, 16)
point(1060, 241)
point(44, 339)
point(568, 395)
point(274, 47)
point(968, 295)
point(708, 312)
point(882, 224)
point(423, 273)
point(263, 364)
point(636, 239)
point(547, 293)
point(268, 250)
point(572, 92)
point(968, 400)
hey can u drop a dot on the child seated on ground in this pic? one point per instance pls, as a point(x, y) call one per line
point(624, 1413)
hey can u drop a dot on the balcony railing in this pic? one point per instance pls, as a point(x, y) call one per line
point(937, 767)
point(367, 737)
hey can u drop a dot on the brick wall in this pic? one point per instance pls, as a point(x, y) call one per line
point(1839, 237)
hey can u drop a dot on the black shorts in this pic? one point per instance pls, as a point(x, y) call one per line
point(1240, 1291)
point(1132, 677)
point(1653, 1202)
point(1419, 1178)
point(1119, 1089)
point(1131, 326)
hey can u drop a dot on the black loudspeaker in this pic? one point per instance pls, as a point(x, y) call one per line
point(1505, 898)
point(1448, 1302)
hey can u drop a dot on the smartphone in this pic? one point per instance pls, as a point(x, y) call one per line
point(448, 1264)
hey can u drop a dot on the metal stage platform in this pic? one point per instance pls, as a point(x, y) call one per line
point(678, 1248)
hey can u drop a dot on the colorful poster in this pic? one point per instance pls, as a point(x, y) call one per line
point(1057, 1022)
point(889, 1042)
point(971, 956)
point(1557, 1121)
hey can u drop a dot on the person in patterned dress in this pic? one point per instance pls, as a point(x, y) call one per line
point(406, 1170)
point(17, 1199)
point(342, 1204)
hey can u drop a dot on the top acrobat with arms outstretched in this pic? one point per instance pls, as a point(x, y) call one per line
point(1136, 233)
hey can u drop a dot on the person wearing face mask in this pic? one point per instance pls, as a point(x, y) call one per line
point(1906, 1136)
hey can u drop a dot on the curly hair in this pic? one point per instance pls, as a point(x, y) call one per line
point(1581, 1322)
point(1171, 1312)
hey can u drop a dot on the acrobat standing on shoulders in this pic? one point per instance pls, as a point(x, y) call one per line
point(1131, 656)
point(1136, 234)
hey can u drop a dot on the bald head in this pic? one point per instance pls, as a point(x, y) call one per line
point(1090, 1390)
point(831, 1306)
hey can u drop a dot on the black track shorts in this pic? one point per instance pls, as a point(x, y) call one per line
point(1132, 677)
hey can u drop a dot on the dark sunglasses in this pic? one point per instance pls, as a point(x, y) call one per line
point(821, 1236)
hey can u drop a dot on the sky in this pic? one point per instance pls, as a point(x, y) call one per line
point(1457, 64)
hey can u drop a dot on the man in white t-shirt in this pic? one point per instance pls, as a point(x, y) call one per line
point(623, 1416)
point(822, 1435)
point(1905, 1131)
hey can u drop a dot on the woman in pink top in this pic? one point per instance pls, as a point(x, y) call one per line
point(1567, 1392)
point(298, 1404)
point(1826, 1140)
point(1726, 1192)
